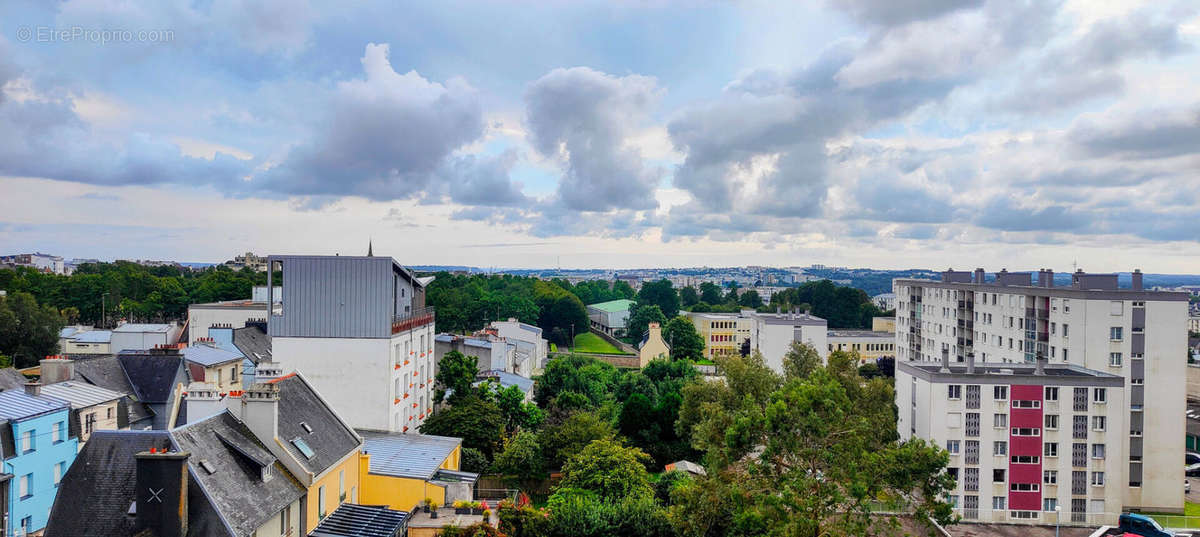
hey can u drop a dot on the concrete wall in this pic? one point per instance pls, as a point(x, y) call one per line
point(140, 340)
point(202, 316)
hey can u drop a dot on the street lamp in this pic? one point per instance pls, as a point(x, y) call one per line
point(103, 312)
point(1057, 514)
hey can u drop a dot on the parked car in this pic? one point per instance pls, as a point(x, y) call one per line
point(1191, 464)
point(1142, 525)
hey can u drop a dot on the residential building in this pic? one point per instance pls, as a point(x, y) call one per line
point(724, 334)
point(1024, 439)
point(505, 380)
point(351, 520)
point(359, 331)
point(106, 372)
point(207, 362)
point(532, 349)
point(141, 336)
point(869, 345)
point(609, 317)
point(92, 408)
point(248, 260)
point(492, 351)
point(1193, 323)
point(652, 345)
point(884, 301)
point(38, 261)
point(883, 324)
point(1132, 333)
point(401, 470)
point(87, 342)
point(43, 449)
point(774, 334)
point(229, 313)
point(157, 377)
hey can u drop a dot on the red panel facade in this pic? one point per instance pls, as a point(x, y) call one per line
point(1022, 417)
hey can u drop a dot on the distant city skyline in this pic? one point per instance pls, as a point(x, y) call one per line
point(846, 132)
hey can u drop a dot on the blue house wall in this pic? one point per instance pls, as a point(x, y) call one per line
point(38, 463)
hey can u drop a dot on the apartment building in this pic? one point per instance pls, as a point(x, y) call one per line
point(727, 334)
point(870, 345)
point(1039, 444)
point(1132, 333)
point(359, 331)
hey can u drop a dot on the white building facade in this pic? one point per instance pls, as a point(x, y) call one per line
point(1135, 334)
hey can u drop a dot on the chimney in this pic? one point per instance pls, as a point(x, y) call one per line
point(233, 403)
point(945, 360)
point(1045, 278)
point(162, 489)
point(1137, 279)
point(260, 411)
point(267, 371)
point(978, 275)
point(1040, 364)
point(970, 363)
point(202, 401)
point(57, 369)
point(33, 388)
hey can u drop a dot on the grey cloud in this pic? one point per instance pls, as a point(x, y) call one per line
point(1003, 214)
point(888, 199)
point(895, 12)
point(484, 180)
point(587, 116)
point(1148, 134)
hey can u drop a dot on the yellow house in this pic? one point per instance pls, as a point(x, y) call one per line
point(723, 333)
point(869, 344)
point(402, 470)
point(214, 365)
point(652, 345)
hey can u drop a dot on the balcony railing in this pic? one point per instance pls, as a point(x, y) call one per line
point(418, 318)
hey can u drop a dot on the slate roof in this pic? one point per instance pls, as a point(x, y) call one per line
point(105, 371)
point(407, 455)
point(330, 440)
point(209, 356)
point(254, 343)
point(613, 306)
point(80, 394)
point(236, 490)
point(16, 405)
point(152, 376)
point(350, 520)
point(94, 336)
point(11, 379)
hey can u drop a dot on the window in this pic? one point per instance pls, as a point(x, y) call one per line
point(1098, 423)
point(1053, 329)
point(1116, 333)
point(1049, 504)
point(58, 472)
point(27, 441)
point(1050, 477)
point(1066, 330)
point(952, 446)
point(971, 453)
point(108, 413)
point(1000, 447)
point(1114, 359)
point(998, 475)
point(1050, 449)
point(998, 503)
point(321, 501)
point(1000, 421)
point(1024, 403)
point(1099, 395)
point(1000, 393)
point(89, 423)
point(973, 396)
point(26, 486)
point(56, 432)
point(341, 485)
point(1064, 354)
point(970, 479)
point(27, 524)
point(1079, 427)
point(1116, 307)
point(1079, 400)
point(1066, 306)
point(1028, 515)
point(303, 447)
point(1051, 421)
point(1078, 454)
point(1024, 459)
point(972, 428)
point(1097, 451)
point(954, 391)
point(285, 521)
point(1097, 479)
point(1051, 393)
point(1026, 431)
point(1024, 487)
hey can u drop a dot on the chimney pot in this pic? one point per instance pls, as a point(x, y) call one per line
point(33, 388)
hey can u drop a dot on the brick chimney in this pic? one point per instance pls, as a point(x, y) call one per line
point(1137, 279)
point(162, 490)
point(57, 369)
point(260, 411)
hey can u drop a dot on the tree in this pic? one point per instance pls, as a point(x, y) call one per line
point(562, 441)
point(476, 420)
point(518, 414)
point(800, 360)
point(622, 289)
point(521, 461)
point(661, 294)
point(578, 373)
point(473, 461)
point(456, 373)
point(685, 342)
point(688, 296)
point(640, 317)
point(637, 421)
point(710, 293)
point(750, 299)
point(612, 471)
point(28, 331)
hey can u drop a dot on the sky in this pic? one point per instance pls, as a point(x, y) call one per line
point(871, 133)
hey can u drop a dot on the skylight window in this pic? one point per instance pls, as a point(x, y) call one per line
point(307, 428)
point(303, 447)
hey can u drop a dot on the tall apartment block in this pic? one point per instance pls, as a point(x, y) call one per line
point(1091, 326)
point(359, 331)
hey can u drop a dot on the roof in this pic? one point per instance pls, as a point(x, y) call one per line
point(236, 489)
point(16, 405)
point(208, 356)
point(416, 456)
point(350, 520)
point(94, 336)
point(613, 306)
point(140, 327)
point(81, 394)
point(106, 371)
point(152, 376)
point(11, 379)
point(1005, 373)
point(329, 438)
point(507, 379)
point(860, 334)
point(67, 331)
point(253, 342)
point(686, 466)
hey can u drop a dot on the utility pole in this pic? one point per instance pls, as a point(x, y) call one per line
point(103, 311)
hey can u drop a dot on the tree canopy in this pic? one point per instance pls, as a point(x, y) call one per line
point(28, 331)
point(685, 342)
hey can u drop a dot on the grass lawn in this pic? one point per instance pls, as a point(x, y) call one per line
point(705, 361)
point(1190, 518)
point(588, 342)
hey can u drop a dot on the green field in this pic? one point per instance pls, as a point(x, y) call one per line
point(589, 343)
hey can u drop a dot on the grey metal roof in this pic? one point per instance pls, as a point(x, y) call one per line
point(80, 394)
point(67, 331)
point(143, 327)
point(350, 520)
point(407, 455)
point(507, 379)
point(16, 405)
point(209, 356)
point(94, 336)
point(860, 334)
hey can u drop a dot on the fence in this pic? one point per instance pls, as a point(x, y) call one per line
point(1068, 518)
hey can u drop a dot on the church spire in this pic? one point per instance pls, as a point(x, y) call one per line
point(370, 249)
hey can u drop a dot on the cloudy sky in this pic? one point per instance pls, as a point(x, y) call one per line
point(884, 133)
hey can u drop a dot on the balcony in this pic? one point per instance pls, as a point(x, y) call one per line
point(416, 319)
